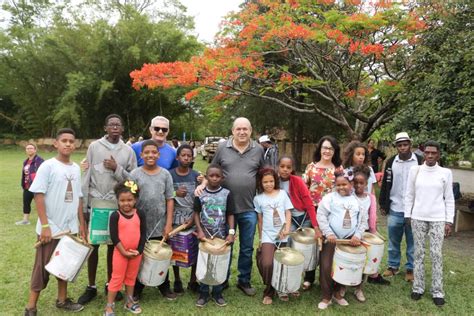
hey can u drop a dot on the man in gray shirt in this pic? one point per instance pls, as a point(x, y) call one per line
point(391, 203)
point(241, 158)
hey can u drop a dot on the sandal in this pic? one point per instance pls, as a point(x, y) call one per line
point(267, 300)
point(296, 294)
point(306, 285)
point(112, 306)
point(283, 297)
point(134, 309)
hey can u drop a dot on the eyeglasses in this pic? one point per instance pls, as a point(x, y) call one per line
point(163, 129)
point(327, 148)
point(114, 125)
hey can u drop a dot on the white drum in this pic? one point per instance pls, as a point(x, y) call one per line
point(288, 265)
point(303, 241)
point(68, 257)
point(155, 263)
point(348, 264)
point(213, 262)
point(375, 250)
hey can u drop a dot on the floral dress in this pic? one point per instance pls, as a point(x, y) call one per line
point(320, 181)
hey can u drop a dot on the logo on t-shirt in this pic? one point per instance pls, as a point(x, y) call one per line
point(69, 193)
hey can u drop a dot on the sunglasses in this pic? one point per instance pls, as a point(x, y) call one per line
point(163, 129)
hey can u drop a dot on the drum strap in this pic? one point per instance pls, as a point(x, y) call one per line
point(154, 228)
point(300, 225)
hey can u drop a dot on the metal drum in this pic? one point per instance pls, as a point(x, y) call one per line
point(68, 257)
point(348, 264)
point(213, 262)
point(303, 241)
point(375, 250)
point(288, 264)
point(155, 263)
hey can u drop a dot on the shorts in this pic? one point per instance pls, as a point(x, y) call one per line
point(40, 277)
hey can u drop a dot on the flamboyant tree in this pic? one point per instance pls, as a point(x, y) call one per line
point(342, 60)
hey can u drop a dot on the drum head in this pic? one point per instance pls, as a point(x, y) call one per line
point(372, 239)
point(214, 246)
point(79, 241)
point(289, 256)
point(350, 249)
point(304, 236)
point(154, 249)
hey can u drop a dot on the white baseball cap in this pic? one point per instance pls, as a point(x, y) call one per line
point(264, 139)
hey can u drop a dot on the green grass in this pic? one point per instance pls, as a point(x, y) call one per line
point(17, 257)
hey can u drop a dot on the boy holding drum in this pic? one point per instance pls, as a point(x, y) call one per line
point(58, 198)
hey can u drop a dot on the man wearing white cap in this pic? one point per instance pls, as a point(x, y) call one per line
point(391, 202)
point(270, 155)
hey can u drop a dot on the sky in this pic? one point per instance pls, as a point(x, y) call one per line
point(208, 14)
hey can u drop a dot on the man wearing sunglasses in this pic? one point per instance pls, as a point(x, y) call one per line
point(159, 129)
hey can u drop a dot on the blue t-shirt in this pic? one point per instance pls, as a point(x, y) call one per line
point(184, 206)
point(167, 158)
point(273, 210)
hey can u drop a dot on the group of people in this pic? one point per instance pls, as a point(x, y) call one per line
point(155, 188)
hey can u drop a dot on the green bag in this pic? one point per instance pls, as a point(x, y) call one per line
point(99, 221)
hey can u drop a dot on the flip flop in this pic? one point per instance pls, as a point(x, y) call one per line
point(134, 309)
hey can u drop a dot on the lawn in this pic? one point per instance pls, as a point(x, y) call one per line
point(18, 254)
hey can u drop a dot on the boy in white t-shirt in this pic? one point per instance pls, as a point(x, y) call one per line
point(58, 198)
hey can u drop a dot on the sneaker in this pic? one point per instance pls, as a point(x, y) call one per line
point(220, 301)
point(89, 294)
point(202, 301)
point(323, 305)
point(69, 305)
point(438, 301)
point(415, 296)
point(193, 286)
point(30, 312)
point(22, 222)
point(378, 280)
point(342, 301)
point(390, 272)
point(170, 296)
point(409, 277)
point(246, 288)
point(178, 287)
point(359, 295)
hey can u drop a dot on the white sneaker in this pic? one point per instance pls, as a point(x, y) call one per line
point(341, 301)
point(359, 295)
point(322, 305)
point(23, 222)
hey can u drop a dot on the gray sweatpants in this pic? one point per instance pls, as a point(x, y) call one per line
point(435, 230)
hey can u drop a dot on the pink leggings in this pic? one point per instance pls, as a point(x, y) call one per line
point(124, 271)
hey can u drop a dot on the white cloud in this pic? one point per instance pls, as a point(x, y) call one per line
point(208, 15)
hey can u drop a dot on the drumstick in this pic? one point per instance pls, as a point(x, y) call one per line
point(39, 243)
point(177, 229)
point(320, 244)
point(348, 242)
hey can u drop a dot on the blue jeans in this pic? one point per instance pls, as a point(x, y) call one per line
point(216, 290)
point(245, 223)
point(396, 228)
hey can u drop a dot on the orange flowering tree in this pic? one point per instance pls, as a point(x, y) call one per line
point(343, 60)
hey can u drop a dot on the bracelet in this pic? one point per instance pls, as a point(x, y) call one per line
point(45, 226)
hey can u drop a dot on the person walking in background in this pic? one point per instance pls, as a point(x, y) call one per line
point(392, 193)
point(376, 156)
point(270, 156)
point(429, 204)
point(319, 177)
point(159, 130)
point(28, 173)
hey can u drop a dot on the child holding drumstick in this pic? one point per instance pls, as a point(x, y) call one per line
point(273, 207)
point(213, 213)
point(339, 217)
point(128, 234)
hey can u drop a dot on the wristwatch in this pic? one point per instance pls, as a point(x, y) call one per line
point(231, 231)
